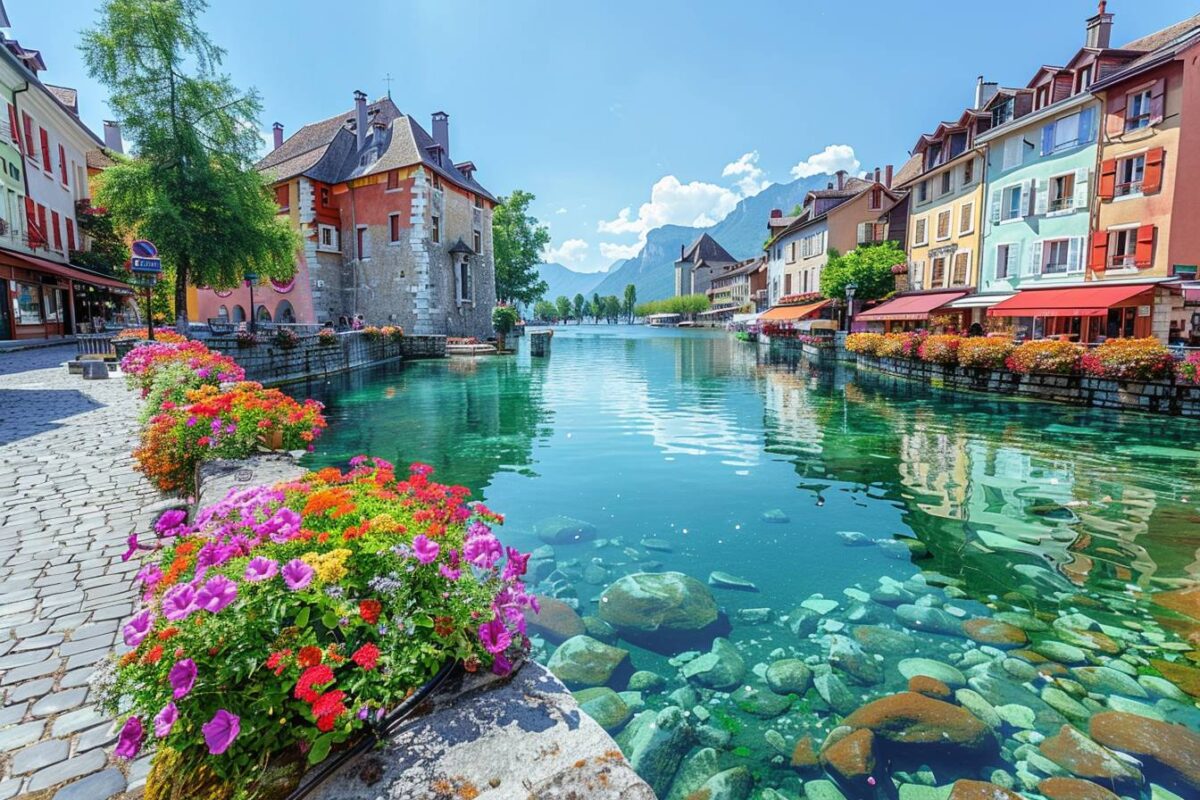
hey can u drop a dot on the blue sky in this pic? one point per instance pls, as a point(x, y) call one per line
point(623, 115)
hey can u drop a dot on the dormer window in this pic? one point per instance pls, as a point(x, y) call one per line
point(437, 182)
point(1042, 98)
point(1003, 112)
point(1084, 80)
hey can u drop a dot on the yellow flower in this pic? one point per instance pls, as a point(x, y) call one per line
point(330, 567)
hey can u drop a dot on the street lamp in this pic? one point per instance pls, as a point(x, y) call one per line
point(251, 279)
point(851, 288)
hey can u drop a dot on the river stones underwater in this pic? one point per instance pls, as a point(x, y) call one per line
point(564, 530)
point(584, 661)
point(647, 602)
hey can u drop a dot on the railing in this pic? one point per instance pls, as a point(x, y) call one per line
point(1122, 261)
point(1125, 189)
point(1062, 203)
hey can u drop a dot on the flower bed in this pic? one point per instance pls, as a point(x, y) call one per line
point(1052, 356)
point(1129, 360)
point(900, 345)
point(940, 349)
point(987, 352)
point(327, 337)
point(164, 336)
point(1188, 370)
point(285, 339)
point(866, 344)
point(143, 364)
point(285, 620)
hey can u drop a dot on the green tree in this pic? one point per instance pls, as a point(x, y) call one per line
point(588, 310)
point(544, 310)
point(868, 267)
point(192, 189)
point(597, 307)
point(579, 304)
point(612, 308)
point(630, 301)
point(518, 240)
point(108, 251)
point(504, 319)
point(562, 305)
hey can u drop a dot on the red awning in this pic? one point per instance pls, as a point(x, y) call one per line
point(1076, 301)
point(62, 270)
point(908, 307)
point(791, 313)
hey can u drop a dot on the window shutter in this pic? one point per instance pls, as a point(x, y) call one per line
point(31, 223)
point(1048, 139)
point(1108, 179)
point(996, 206)
point(1144, 255)
point(1033, 266)
point(1114, 120)
point(1027, 198)
point(70, 235)
point(1041, 199)
point(62, 163)
point(28, 122)
point(1014, 259)
point(46, 150)
point(1158, 96)
point(1074, 260)
point(1152, 178)
point(1099, 260)
point(1087, 121)
point(14, 126)
point(1081, 188)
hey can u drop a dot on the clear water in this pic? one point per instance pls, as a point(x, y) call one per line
point(690, 436)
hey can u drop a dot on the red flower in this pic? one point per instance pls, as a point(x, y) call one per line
point(153, 655)
point(313, 676)
point(369, 610)
point(309, 656)
point(366, 656)
point(276, 661)
point(330, 703)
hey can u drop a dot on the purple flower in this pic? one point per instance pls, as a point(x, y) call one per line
point(477, 528)
point(191, 422)
point(495, 636)
point(182, 677)
point(129, 742)
point(138, 628)
point(149, 576)
point(216, 594)
point(297, 574)
point(517, 564)
point(133, 547)
point(425, 549)
point(220, 731)
point(483, 551)
point(178, 602)
point(261, 569)
point(282, 526)
point(165, 720)
point(501, 665)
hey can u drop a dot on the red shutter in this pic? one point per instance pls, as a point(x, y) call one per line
point(14, 126)
point(1114, 122)
point(1099, 258)
point(25, 118)
point(1158, 96)
point(35, 235)
point(46, 164)
point(71, 235)
point(57, 230)
point(1144, 256)
point(1152, 178)
point(62, 163)
point(1108, 179)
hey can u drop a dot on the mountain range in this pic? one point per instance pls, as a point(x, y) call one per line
point(742, 232)
point(567, 282)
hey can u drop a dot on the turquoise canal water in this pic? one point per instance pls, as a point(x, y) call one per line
point(1026, 555)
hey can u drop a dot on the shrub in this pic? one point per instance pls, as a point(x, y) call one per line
point(372, 333)
point(1046, 355)
point(164, 335)
point(1129, 360)
point(327, 337)
point(393, 333)
point(867, 344)
point(940, 349)
point(214, 424)
point(141, 364)
point(1188, 370)
point(287, 620)
point(988, 352)
point(901, 345)
point(246, 339)
point(285, 339)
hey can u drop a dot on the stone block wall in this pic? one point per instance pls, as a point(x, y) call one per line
point(423, 347)
point(1155, 397)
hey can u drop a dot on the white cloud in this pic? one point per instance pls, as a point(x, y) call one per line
point(572, 252)
point(673, 203)
point(561, 211)
point(827, 162)
point(749, 175)
point(616, 252)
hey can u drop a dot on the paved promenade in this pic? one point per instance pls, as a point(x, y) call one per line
point(69, 498)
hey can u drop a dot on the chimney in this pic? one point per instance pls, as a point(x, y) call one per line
point(877, 174)
point(360, 118)
point(1099, 28)
point(984, 91)
point(776, 213)
point(887, 176)
point(441, 132)
point(277, 129)
point(112, 136)
point(841, 176)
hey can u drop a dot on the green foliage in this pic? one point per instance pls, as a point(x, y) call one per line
point(630, 302)
point(597, 307)
point(108, 251)
point(562, 305)
point(683, 305)
point(869, 267)
point(504, 319)
point(518, 240)
point(579, 304)
point(192, 189)
point(612, 308)
point(544, 310)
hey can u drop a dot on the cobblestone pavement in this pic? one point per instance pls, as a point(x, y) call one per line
point(69, 498)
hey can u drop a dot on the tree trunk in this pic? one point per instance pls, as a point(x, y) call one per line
point(181, 284)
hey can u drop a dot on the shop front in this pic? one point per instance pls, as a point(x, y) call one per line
point(920, 310)
point(1084, 314)
point(43, 298)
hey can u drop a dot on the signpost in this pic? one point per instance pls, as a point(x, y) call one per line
point(251, 279)
point(146, 267)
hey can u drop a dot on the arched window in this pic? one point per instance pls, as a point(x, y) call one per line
point(284, 312)
point(262, 315)
point(239, 314)
point(223, 313)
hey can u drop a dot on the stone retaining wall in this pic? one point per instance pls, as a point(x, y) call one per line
point(793, 348)
point(1155, 397)
point(272, 366)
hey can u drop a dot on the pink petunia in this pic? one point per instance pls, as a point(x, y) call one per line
point(216, 594)
point(297, 574)
point(425, 549)
point(129, 741)
point(182, 677)
point(495, 636)
point(165, 720)
point(220, 731)
point(138, 628)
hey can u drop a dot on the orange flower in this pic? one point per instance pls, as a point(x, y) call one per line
point(309, 656)
point(153, 655)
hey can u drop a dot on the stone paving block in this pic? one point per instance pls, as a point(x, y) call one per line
point(38, 670)
point(85, 764)
point(20, 735)
point(59, 702)
point(99, 736)
point(9, 789)
point(29, 689)
point(12, 714)
point(76, 677)
point(84, 645)
point(39, 756)
point(98, 786)
point(89, 659)
point(77, 720)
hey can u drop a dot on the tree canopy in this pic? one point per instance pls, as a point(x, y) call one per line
point(191, 189)
point(869, 267)
point(684, 304)
point(630, 301)
point(518, 240)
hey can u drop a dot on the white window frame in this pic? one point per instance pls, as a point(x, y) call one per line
point(464, 291)
point(1130, 258)
point(1013, 152)
point(965, 207)
point(945, 271)
point(335, 245)
point(967, 275)
point(1145, 94)
point(1120, 182)
point(937, 229)
point(1005, 205)
point(921, 224)
point(1070, 200)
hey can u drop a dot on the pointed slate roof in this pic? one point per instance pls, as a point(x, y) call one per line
point(707, 249)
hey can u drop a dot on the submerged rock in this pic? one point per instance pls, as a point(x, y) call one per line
point(788, 676)
point(981, 790)
point(850, 757)
point(775, 516)
point(724, 580)
point(835, 693)
point(556, 621)
point(754, 616)
point(760, 701)
point(928, 619)
point(659, 545)
point(1084, 758)
point(1106, 680)
point(605, 706)
point(599, 629)
point(930, 687)
point(697, 769)
point(646, 681)
point(875, 639)
point(855, 539)
point(584, 661)
point(909, 718)
point(721, 668)
point(804, 754)
point(1060, 788)
point(1174, 748)
point(732, 784)
point(994, 632)
point(564, 530)
point(654, 601)
point(911, 667)
point(1061, 652)
point(849, 657)
point(656, 743)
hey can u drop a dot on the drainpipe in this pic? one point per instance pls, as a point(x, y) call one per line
point(356, 261)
